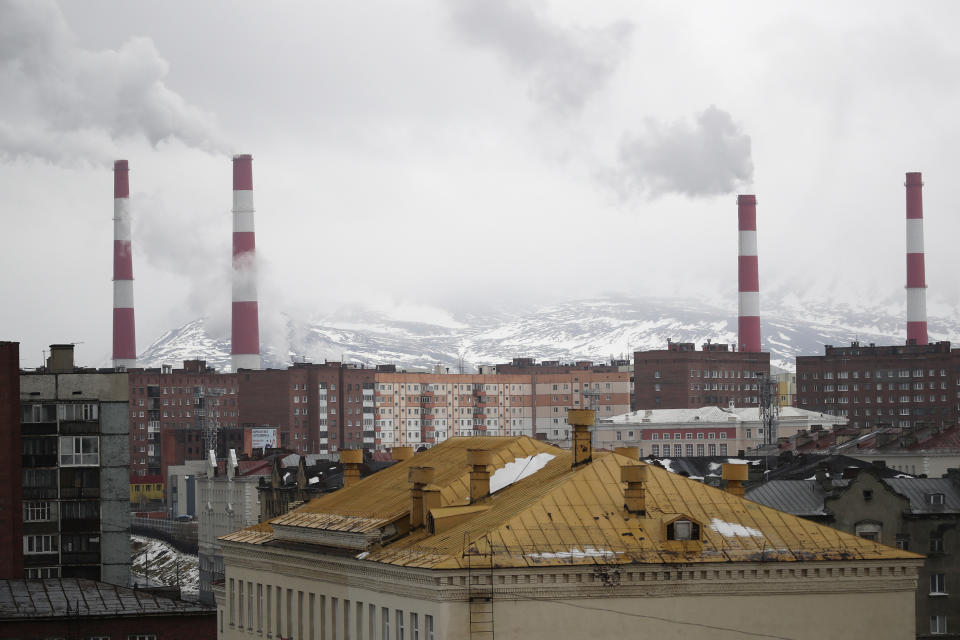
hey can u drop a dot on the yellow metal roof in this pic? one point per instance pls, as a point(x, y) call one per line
point(561, 515)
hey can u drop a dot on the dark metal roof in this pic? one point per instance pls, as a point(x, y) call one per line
point(72, 598)
point(799, 497)
point(917, 490)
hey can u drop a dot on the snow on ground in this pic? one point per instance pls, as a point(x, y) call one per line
point(517, 470)
point(734, 529)
point(157, 562)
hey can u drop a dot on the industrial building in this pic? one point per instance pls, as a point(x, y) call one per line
point(480, 536)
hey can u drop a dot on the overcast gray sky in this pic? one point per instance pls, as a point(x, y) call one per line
point(442, 153)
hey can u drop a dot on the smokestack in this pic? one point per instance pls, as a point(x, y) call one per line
point(916, 276)
point(748, 273)
point(351, 459)
point(245, 334)
point(124, 339)
point(581, 420)
point(478, 460)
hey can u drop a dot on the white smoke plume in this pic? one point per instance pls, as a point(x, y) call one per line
point(63, 103)
point(567, 65)
point(710, 156)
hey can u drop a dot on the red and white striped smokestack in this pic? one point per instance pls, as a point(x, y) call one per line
point(245, 335)
point(748, 274)
point(124, 337)
point(916, 274)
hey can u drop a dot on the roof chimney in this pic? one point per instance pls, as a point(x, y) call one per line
point(735, 475)
point(916, 276)
point(628, 452)
point(635, 476)
point(124, 337)
point(748, 322)
point(478, 459)
point(420, 477)
point(61, 358)
point(245, 331)
point(351, 459)
point(402, 453)
point(581, 420)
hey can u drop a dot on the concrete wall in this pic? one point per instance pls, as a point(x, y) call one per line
point(115, 489)
point(800, 601)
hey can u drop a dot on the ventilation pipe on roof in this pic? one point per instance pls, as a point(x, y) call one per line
point(735, 475)
point(351, 459)
point(581, 420)
point(420, 477)
point(628, 452)
point(634, 498)
point(479, 459)
point(402, 453)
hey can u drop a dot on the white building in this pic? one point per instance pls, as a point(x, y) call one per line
point(705, 431)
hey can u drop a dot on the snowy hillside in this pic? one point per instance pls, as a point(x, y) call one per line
point(595, 329)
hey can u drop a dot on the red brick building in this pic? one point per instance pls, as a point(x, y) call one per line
point(167, 399)
point(11, 510)
point(680, 377)
point(900, 386)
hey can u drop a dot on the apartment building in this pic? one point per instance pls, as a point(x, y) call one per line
point(191, 398)
point(74, 426)
point(680, 377)
point(900, 386)
point(11, 478)
point(424, 409)
point(511, 535)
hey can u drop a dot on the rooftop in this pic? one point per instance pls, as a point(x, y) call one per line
point(558, 515)
point(68, 597)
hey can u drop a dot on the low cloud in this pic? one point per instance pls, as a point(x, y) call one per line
point(567, 66)
point(63, 103)
point(707, 157)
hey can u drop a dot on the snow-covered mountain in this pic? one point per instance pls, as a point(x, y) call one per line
point(593, 329)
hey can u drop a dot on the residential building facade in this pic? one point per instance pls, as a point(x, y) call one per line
point(680, 377)
point(74, 425)
point(900, 386)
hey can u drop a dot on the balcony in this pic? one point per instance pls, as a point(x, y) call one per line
point(73, 525)
point(38, 460)
point(80, 557)
point(73, 492)
point(40, 492)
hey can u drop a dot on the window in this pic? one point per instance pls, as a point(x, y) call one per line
point(40, 544)
point(936, 543)
point(400, 628)
point(41, 573)
point(385, 620)
point(903, 541)
point(683, 530)
point(36, 511)
point(868, 494)
point(934, 498)
point(414, 627)
point(142, 636)
point(428, 624)
point(655, 450)
point(79, 451)
point(938, 624)
point(938, 584)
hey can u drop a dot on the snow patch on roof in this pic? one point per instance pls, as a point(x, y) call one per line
point(734, 529)
point(588, 552)
point(517, 470)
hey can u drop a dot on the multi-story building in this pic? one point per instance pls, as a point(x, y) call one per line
point(680, 377)
point(227, 500)
point(705, 431)
point(11, 508)
point(75, 425)
point(514, 536)
point(423, 409)
point(874, 386)
point(915, 514)
point(786, 388)
point(193, 398)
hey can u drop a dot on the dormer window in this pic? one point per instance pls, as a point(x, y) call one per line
point(934, 498)
point(683, 530)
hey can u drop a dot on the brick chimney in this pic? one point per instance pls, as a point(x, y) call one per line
point(351, 460)
point(635, 476)
point(479, 459)
point(420, 477)
point(581, 420)
point(735, 475)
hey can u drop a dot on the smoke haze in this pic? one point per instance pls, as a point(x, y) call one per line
point(64, 104)
point(567, 65)
point(708, 157)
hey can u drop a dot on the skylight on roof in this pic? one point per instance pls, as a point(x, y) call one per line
point(517, 470)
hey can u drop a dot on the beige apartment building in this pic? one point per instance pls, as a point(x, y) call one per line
point(605, 393)
point(424, 409)
point(510, 536)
